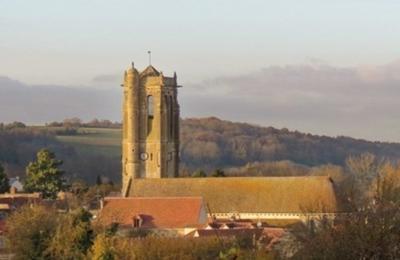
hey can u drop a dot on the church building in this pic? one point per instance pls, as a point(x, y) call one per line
point(150, 162)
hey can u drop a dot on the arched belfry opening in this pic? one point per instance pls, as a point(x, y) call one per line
point(150, 126)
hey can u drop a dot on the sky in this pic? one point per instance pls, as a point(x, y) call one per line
point(325, 67)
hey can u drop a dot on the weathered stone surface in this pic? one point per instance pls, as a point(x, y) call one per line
point(150, 144)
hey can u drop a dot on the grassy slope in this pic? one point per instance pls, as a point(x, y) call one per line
point(101, 141)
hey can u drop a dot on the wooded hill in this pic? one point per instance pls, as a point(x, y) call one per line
point(206, 143)
point(220, 143)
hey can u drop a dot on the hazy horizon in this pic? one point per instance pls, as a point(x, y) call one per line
point(323, 68)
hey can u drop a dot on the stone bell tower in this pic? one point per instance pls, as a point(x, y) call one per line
point(150, 138)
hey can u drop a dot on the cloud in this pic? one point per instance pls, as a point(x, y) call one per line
point(313, 98)
point(381, 73)
point(39, 104)
point(362, 102)
point(107, 78)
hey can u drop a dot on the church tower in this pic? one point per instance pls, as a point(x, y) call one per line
point(150, 138)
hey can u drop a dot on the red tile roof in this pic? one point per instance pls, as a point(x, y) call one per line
point(257, 232)
point(156, 212)
point(269, 236)
point(231, 224)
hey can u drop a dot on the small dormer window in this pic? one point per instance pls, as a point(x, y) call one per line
point(137, 222)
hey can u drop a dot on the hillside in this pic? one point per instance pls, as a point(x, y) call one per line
point(206, 143)
point(219, 143)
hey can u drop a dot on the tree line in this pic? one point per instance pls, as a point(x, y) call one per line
point(77, 122)
point(206, 144)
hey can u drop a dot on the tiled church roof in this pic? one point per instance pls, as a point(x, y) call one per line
point(247, 194)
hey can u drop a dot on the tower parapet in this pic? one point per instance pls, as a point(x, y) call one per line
point(150, 139)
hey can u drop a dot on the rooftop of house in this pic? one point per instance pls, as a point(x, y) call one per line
point(16, 183)
point(34, 195)
point(247, 194)
point(257, 232)
point(240, 223)
point(155, 212)
point(16, 200)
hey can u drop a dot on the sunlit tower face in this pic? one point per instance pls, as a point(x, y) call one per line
point(150, 126)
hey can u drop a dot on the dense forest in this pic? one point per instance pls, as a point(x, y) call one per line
point(217, 143)
point(206, 143)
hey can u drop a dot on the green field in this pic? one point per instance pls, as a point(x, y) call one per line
point(95, 141)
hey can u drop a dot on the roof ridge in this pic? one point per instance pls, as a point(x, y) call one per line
point(150, 71)
point(242, 178)
point(158, 197)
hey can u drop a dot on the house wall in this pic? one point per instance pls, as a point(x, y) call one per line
point(274, 216)
point(168, 232)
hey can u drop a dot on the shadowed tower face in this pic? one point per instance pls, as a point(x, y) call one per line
point(150, 144)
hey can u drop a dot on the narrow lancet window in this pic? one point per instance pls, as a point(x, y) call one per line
point(166, 111)
point(150, 113)
point(171, 118)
